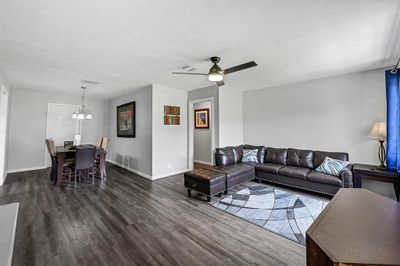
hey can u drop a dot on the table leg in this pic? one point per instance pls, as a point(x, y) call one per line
point(102, 165)
point(60, 163)
point(396, 184)
point(357, 180)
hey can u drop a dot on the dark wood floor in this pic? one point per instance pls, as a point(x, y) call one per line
point(129, 220)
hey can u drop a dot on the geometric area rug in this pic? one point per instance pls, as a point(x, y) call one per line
point(281, 212)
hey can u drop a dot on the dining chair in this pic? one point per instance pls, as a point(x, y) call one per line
point(51, 148)
point(98, 143)
point(53, 159)
point(84, 162)
point(104, 143)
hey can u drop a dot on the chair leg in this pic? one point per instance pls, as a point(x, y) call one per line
point(93, 175)
point(76, 176)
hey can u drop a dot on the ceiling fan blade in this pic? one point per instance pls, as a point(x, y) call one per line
point(220, 83)
point(240, 67)
point(189, 73)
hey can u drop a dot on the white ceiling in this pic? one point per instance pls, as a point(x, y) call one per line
point(52, 45)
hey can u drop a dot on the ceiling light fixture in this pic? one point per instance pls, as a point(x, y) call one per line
point(215, 73)
point(83, 112)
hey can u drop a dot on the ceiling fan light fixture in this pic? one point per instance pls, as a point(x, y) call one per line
point(215, 77)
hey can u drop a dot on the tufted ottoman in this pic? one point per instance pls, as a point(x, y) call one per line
point(206, 182)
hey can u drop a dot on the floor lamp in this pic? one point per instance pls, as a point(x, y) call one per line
point(378, 132)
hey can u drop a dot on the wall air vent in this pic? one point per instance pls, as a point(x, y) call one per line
point(187, 68)
point(86, 81)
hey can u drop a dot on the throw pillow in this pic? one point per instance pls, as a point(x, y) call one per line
point(332, 166)
point(250, 156)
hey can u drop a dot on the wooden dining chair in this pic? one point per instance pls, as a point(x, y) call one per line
point(98, 143)
point(68, 162)
point(104, 143)
point(84, 162)
point(53, 159)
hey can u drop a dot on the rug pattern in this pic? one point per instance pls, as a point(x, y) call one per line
point(284, 213)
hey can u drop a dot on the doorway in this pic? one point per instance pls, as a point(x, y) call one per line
point(60, 125)
point(201, 140)
point(3, 131)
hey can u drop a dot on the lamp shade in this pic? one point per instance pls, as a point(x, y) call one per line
point(378, 131)
point(80, 116)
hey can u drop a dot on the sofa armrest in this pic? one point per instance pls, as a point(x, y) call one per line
point(347, 176)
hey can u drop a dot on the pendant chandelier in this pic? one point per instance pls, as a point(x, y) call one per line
point(83, 112)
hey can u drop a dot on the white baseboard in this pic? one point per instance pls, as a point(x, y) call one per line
point(26, 169)
point(203, 162)
point(146, 175)
point(170, 174)
point(130, 169)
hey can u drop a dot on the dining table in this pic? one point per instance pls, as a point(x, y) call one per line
point(64, 152)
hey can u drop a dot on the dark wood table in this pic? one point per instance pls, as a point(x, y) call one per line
point(69, 152)
point(372, 172)
point(358, 227)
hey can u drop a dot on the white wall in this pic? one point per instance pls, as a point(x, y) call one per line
point(27, 133)
point(4, 82)
point(333, 114)
point(133, 153)
point(202, 137)
point(230, 117)
point(169, 141)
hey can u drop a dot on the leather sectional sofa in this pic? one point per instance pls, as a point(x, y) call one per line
point(290, 167)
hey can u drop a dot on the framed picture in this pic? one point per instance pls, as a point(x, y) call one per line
point(172, 115)
point(126, 120)
point(202, 118)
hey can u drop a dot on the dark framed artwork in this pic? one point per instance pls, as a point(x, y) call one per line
point(126, 120)
point(202, 118)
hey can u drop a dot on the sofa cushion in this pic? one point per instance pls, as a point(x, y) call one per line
point(332, 166)
point(260, 153)
point(302, 158)
point(234, 169)
point(319, 156)
point(238, 153)
point(318, 177)
point(274, 155)
point(250, 156)
point(294, 171)
point(269, 168)
point(224, 156)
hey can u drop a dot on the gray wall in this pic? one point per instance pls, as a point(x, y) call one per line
point(135, 153)
point(334, 114)
point(4, 81)
point(169, 141)
point(230, 116)
point(209, 92)
point(28, 116)
point(202, 138)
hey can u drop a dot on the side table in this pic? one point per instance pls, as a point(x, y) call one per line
point(372, 172)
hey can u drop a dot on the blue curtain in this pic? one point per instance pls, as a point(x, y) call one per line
point(393, 120)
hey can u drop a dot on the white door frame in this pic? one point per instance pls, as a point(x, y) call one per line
point(47, 111)
point(191, 129)
point(4, 97)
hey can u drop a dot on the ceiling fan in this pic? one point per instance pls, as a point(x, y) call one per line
point(217, 74)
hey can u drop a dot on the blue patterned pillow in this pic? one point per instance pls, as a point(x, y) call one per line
point(332, 166)
point(250, 156)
